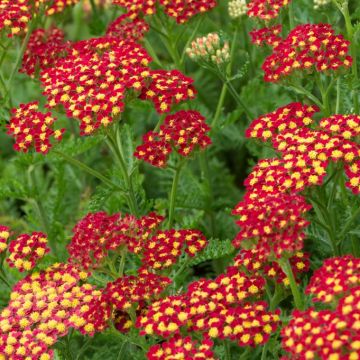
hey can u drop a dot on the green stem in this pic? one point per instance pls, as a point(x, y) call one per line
point(191, 38)
point(4, 279)
point(94, 7)
point(286, 267)
point(18, 60)
point(122, 262)
point(264, 351)
point(88, 170)
point(205, 174)
point(219, 107)
point(173, 195)
point(227, 350)
point(152, 53)
point(344, 9)
point(338, 95)
point(116, 148)
point(301, 90)
point(237, 98)
point(291, 15)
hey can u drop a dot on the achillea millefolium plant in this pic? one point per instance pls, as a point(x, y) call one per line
point(180, 179)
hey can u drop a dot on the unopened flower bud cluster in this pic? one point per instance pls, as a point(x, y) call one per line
point(320, 3)
point(237, 8)
point(209, 48)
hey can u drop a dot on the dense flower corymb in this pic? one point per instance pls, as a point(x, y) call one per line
point(309, 48)
point(180, 10)
point(182, 348)
point(30, 127)
point(267, 36)
point(4, 236)
point(335, 277)
point(183, 131)
point(26, 250)
point(266, 9)
point(43, 307)
point(325, 334)
point(98, 233)
point(44, 48)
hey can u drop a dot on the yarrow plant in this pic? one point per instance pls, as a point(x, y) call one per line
point(179, 179)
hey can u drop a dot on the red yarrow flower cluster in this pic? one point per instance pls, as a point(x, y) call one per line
point(168, 88)
point(182, 348)
point(15, 15)
point(180, 10)
point(182, 131)
point(308, 48)
point(98, 233)
point(271, 218)
point(57, 6)
point(267, 36)
point(183, 10)
point(325, 334)
point(266, 9)
point(92, 82)
point(128, 291)
point(32, 128)
point(216, 309)
point(43, 50)
point(165, 247)
point(43, 307)
point(329, 333)
point(26, 250)
point(306, 151)
point(126, 26)
point(257, 264)
point(4, 237)
point(336, 277)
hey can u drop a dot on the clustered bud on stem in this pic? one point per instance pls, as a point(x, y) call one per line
point(210, 48)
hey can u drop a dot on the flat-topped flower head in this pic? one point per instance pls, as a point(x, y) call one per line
point(98, 233)
point(32, 129)
point(57, 6)
point(325, 334)
point(256, 263)
point(26, 250)
point(165, 247)
point(4, 237)
point(210, 48)
point(128, 291)
point(15, 15)
point(179, 347)
point(126, 26)
point(308, 48)
point(180, 10)
point(183, 10)
point(267, 36)
point(335, 278)
point(183, 132)
point(43, 50)
point(266, 9)
point(44, 306)
point(271, 215)
point(167, 88)
point(286, 118)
